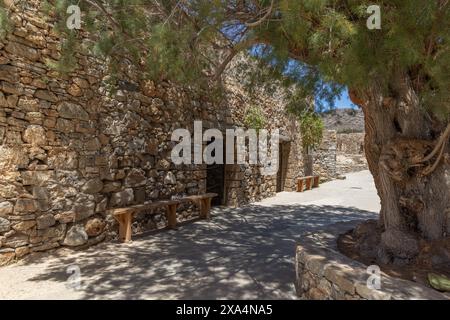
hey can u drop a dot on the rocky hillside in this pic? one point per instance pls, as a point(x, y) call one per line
point(344, 120)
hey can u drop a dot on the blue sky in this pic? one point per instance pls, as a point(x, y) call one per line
point(344, 102)
point(341, 102)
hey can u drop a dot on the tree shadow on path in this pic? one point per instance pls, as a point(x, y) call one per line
point(244, 253)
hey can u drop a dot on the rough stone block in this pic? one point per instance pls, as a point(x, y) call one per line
point(5, 225)
point(24, 225)
point(25, 206)
point(70, 110)
point(123, 198)
point(35, 135)
point(45, 221)
point(371, 294)
point(92, 186)
point(76, 236)
point(21, 50)
point(6, 208)
point(6, 257)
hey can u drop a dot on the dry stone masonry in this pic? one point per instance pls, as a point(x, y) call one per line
point(70, 149)
point(339, 154)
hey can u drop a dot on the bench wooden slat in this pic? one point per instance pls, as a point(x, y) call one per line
point(307, 183)
point(125, 215)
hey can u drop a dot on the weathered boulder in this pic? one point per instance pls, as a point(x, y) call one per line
point(35, 135)
point(22, 251)
point(62, 159)
point(122, 198)
point(12, 158)
point(84, 208)
point(6, 257)
point(170, 178)
point(16, 240)
point(24, 206)
point(111, 187)
point(36, 177)
point(66, 217)
point(24, 225)
point(94, 227)
point(135, 178)
point(5, 225)
point(9, 73)
point(46, 95)
point(76, 236)
point(92, 186)
point(54, 233)
point(45, 221)
point(6, 208)
point(65, 125)
point(71, 110)
point(101, 205)
point(19, 49)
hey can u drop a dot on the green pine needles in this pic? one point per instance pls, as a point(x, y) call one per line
point(322, 46)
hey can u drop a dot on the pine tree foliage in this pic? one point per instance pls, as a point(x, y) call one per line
point(322, 46)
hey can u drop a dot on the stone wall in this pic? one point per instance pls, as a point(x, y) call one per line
point(322, 273)
point(325, 157)
point(70, 148)
point(339, 154)
point(350, 156)
point(246, 184)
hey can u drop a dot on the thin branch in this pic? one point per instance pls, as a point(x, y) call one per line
point(264, 18)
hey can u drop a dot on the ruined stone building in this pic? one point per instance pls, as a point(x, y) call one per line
point(70, 149)
point(342, 148)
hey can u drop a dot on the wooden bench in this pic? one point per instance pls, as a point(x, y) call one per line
point(125, 215)
point(307, 183)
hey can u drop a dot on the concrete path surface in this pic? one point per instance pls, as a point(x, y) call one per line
point(244, 253)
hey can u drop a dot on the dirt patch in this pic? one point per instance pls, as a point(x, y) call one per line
point(363, 244)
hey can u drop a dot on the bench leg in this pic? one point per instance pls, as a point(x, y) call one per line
point(125, 221)
point(205, 208)
point(171, 214)
point(308, 184)
point(300, 186)
point(316, 182)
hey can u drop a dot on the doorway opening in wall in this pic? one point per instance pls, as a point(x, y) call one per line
point(283, 156)
point(215, 181)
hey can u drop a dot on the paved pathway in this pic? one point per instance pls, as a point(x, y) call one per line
point(244, 253)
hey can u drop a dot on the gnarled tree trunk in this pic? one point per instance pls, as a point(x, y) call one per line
point(414, 189)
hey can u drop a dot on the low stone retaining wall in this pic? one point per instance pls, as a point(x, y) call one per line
point(323, 273)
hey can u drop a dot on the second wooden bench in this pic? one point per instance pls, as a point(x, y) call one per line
point(307, 183)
